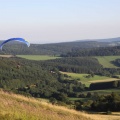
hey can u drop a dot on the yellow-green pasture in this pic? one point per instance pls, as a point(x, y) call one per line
point(106, 61)
point(38, 57)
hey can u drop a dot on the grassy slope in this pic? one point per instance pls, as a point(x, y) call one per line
point(106, 61)
point(17, 107)
point(37, 57)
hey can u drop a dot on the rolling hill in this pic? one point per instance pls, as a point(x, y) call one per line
point(57, 48)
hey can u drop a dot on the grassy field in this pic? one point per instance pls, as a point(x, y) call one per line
point(106, 61)
point(85, 80)
point(37, 57)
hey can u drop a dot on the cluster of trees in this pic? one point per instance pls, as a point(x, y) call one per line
point(102, 51)
point(117, 62)
point(107, 103)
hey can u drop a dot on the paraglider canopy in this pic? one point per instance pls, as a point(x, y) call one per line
point(14, 39)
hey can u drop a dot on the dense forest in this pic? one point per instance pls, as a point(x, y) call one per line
point(76, 65)
point(102, 51)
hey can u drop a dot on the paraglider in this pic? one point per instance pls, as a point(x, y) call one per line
point(14, 39)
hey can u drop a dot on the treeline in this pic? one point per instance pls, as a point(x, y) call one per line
point(102, 51)
point(76, 64)
point(107, 103)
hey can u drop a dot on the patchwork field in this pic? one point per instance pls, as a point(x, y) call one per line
point(106, 61)
point(37, 57)
point(82, 78)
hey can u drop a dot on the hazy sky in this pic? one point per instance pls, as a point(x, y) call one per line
point(48, 21)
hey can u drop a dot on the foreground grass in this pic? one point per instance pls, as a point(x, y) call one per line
point(106, 61)
point(37, 57)
point(86, 80)
point(17, 107)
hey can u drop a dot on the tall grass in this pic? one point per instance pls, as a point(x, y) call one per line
point(18, 107)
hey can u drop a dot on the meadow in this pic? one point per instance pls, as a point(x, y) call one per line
point(82, 78)
point(106, 61)
point(38, 57)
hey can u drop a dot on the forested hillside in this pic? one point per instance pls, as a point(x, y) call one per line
point(30, 78)
point(55, 48)
point(76, 64)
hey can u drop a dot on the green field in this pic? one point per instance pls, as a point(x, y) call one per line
point(85, 80)
point(37, 57)
point(106, 61)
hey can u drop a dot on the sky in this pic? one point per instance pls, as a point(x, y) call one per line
point(53, 21)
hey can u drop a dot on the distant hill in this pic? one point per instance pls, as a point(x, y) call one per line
point(57, 48)
point(102, 40)
point(109, 40)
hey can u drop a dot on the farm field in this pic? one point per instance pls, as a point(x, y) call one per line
point(86, 80)
point(37, 57)
point(106, 61)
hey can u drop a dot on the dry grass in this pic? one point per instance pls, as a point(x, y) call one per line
point(18, 107)
point(105, 80)
point(7, 56)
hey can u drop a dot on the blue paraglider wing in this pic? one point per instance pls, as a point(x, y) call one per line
point(14, 39)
